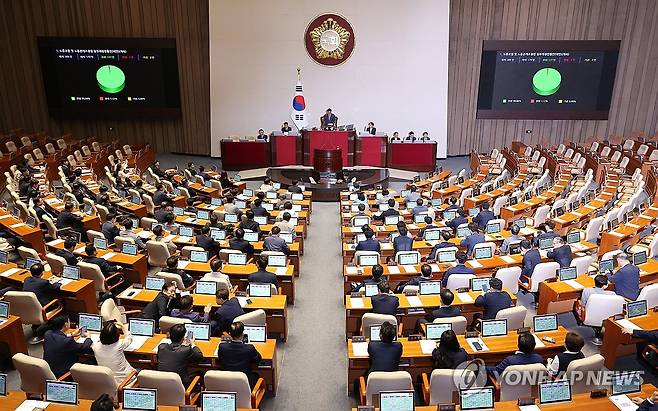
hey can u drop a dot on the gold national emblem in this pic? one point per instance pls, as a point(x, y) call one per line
point(330, 39)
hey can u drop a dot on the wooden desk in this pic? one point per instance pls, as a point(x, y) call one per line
point(31, 235)
point(526, 208)
point(275, 307)
point(56, 206)
point(455, 190)
point(505, 189)
point(11, 333)
point(77, 296)
point(614, 340)
point(416, 362)
point(628, 233)
point(428, 182)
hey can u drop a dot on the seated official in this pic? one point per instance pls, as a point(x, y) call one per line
point(266, 185)
point(600, 285)
point(419, 208)
point(295, 188)
point(361, 209)
point(452, 204)
point(236, 355)
point(329, 121)
point(627, 278)
point(460, 268)
point(370, 128)
point(383, 302)
point(546, 231)
point(67, 252)
point(239, 243)
point(249, 223)
point(106, 268)
point(403, 242)
point(531, 257)
point(512, 239)
point(261, 135)
point(561, 253)
point(369, 244)
point(160, 195)
point(110, 229)
point(40, 208)
point(216, 273)
point(448, 354)
point(178, 355)
point(425, 136)
point(160, 306)
point(230, 207)
point(205, 241)
point(67, 219)
point(411, 137)
point(377, 273)
point(385, 354)
point(525, 355)
point(493, 300)
point(161, 213)
point(61, 351)
point(425, 275)
point(229, 308)
point(160, 235)
point(396, 137)
point(109, 350)
point(459, 219)
point(386, 195)
point(446, 236)
point(43, 289)
point(429, 225)
point(258, 209)
point(285, 128)
point(172, 267)
point(446, 310)
point(484, 216)
point(284, 224)
point(413, 195)
point(185, 311)
point(262, 275)
point(128, 232)
point(274, 242)
point(573, 344)
point(475, 238)
point(388, 212)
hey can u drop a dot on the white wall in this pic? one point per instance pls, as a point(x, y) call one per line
point(397, 75)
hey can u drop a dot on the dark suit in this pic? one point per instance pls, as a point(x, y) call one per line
point(61, 352)
point(382, 216)
point(176, 358)
point(160, 215)
point(451, 359)
point(384, 356)
point(207, 243)
point(41, 211)
point(483, 218)
point(295, 189)
point(369, 244)
point(492, 302)
point(433, 255)
point(262, 276)
point(260, 212)
point(471, 241)
point(66, 219)
point(443, 312)
point(458, 269)
point(67, 255)
point(242, 245)
point(647, 405)
point(384, 304)
point(159, 197)
point(561, 255)
point(456, 222)
point(43, 289)
point(328, 119)
point(250, 225)
point(648, 334)
point(157, 308)
point(403, 243)
point(517, 358)
point(237, 356)
point(225, 314)
point(110, 231)
point(549, 234)
point(530, 259)
point(626, 281)
point(106, 268)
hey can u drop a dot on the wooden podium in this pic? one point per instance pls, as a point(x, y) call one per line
point(328, 161)
point(328, 140)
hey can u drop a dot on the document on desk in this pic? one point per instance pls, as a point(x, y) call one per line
point(626, 323)
point(2, 217)
point(144, 234)
point(168, 238)
point(470, 342)
point(575, 284)
point(623, 402)
point(393, 269)
point(414, 301)
point(10, 272)
point(31, 405)
point(281, 271)
point(17, 225)
point(109, 255)
point(410, 268)
point(242, 301)
point(137, 342)
point(427, 346)
point(538, 342)
point(182, 264)
point(80, 250)
point(351, 270)
point(529, 408)
point(465, 298)
point(360, 349)
point(508, 259)
point(355, 229)
point(635, 226)
point(475, 264)
point(162, 341)
point(356, 302)
point(435, 267)
point(93, 337)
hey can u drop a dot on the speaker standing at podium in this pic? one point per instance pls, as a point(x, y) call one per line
point(328, 121)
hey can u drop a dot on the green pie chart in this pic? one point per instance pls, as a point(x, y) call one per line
point(110, 79)
point(546, 81)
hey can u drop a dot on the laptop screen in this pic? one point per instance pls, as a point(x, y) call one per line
point(136, 200)
point(4, 257)
point(255, 333)
point(237, 258)
point(247, 192)
point(276, 260)
point(476, 398)
point(287, 237)
point(3, 384)
point(636, 308)
point(520, 223)
point(260, 290)
point(463, 232)
point(250, 236)
point(217, 234)
point(434, 331)
point(198, 256)
point(606, 265)
point(216, 201)
point(71, 272)
point(408, 258)
point(447, 256)
point(202, 215)
point(391, 219)
point(432, 234)
point(139, 399)
point(297, 196)
point(493, 228)
point(419, 218)
point(205, 287)
point(449, 215)
point(260, 219)
point(92, 322)
point(494, 328)
point(178, 211)
point(130, 249)
point(567, 273)
point(141, 327)
point(4, 309)
point(371, 289)
point(368, 260)
point(541, 323)
point(396, 400)
point(154, 283)
point(231, 218)
point(240, 204)
point(218, 401)
point(640, 258)
point(545, 243)
point(374, 333)
point(472, 212)
point(483, 252)
point(478, 283)
point(626, 382)
point(573, 237)
point(185, 231)
point(271, 195)
point(429, 287)
point(200, 331)
point(555, 391)
point(62, 392)
point(29, 262)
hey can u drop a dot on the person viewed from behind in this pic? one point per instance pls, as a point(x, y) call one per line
point(385, 354)
point(236, 355)
point(60, 350)
point(178, 355)
point(448, 354)
point(109, 351)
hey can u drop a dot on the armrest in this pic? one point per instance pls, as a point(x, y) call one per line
point(119, 277)
point(579, 310)
point(64, 376)
point(426, 388)
point(190, 388)
point(278, 290)
point(362, 391)
point(496, 386)
point(400, 328)
point(129, 381)
point(51, 309)
point(257, 393)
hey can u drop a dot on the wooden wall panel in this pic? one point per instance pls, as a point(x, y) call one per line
point(634, 104)
point(22, 99)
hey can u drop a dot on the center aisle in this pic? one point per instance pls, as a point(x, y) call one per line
point(313, 362)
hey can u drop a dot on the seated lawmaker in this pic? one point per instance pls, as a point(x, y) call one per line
point(561, 253)
point(109, 350)
point(67, 219)
point(106, 268)
point(236, 355)
point(262, 275)
point(67, 252)
point(239, 243)
point(546, 231)
point(179, 354)
point(573, 344)
point(525, 355)
point(128, 232)
point(205, 241)
point(425, 137)
point(249, 223)
point(383, 302)
point(285, 128)
point(396, 137)
point(186, 311)
point(446, 310)
point(484, 216)
point(446, 236)
point(385, 354)
point(626, 279)
point(229, 308)
point(43, 289)
point(258, 209)
point(419, 208)
point(410, 137)
point(160, 195)
point(369, 244)
point(429, 225)
point(460, 268)
point(390, 211)
point(459, 219)
point(648, 404)
point(172, 267)
point(60, 350)
point(110, 229)
point(261, 135)
point(413, 195)
point(274, 242)
point(403, 242)
point(160, 306)
point(494, 300)
point(531, 258)
point(375, 278)
point(370, 128)
point(600, 285)
point(475, 238)
point(448, 354)
point(512, 239)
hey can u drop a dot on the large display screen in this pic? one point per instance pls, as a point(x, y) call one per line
point(110, 76)
point(547, 80)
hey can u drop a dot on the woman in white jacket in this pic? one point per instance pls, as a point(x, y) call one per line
point(109, 350)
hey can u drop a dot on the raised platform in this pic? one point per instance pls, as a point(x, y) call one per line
point(323, 190)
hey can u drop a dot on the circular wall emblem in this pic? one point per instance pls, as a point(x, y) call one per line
point(329, 39)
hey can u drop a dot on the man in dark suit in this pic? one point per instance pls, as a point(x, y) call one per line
point(548, 232)
point(261, 135)
point(203, 174)
point(328, 121)
point(389, 211)
point(458, 220)
point(285, 128)
point(236, 355)
point(295, 188)
point(493, 300)
point(40, 208)
point(446, 236)
point(531, 258)
point(258, 209)
point(626, 279)
point(239, 243)
point(262, 275)
point(161, 213)
point(648, 404)
point(425, 275)
point(67, 252)
point(561, 252)
point(525, 355)
point(106, 268)
point(206, 242)
point(109, 228)
point(429, 225)
point(403, 242)
point(452, 201)
point(43, 289)
point(66, 219)
point(446, 310)
point(160, 306)
point(460, 268)
point(384, 303)
point(369, 244)
point(377, 273)
point(411, 137)
point(250, 224)
point(472, 240)
point(226, 313)
point(274, 242)
point(179, 354)
point(484, 216)
point(385, 354)
point(61, 351)
point(160, 195)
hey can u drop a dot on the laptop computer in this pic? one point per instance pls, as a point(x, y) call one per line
point(4, 310)
point(237, 259)
point(255, 333)
point(62, 392)
point(130, 249)
point(542, 323)
point(141, 327)
point(476, 399)
point(140, 399)
point(200, 331)
point(433, 331)
point(71, 272)
point(429, 287)
point(554, 391)
point(154, 283)
point(636, 308)
point(198, 256)
point(205, 287)
point(396, 400)
point(494, 328)
point(626, 382)
point(368, 260)
point(260, 290)
point(277, 261)
point(480, 283)
point(218, 401)
point(412, 258)
point(91, 322)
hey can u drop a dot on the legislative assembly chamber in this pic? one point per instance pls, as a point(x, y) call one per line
point(369, 205)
